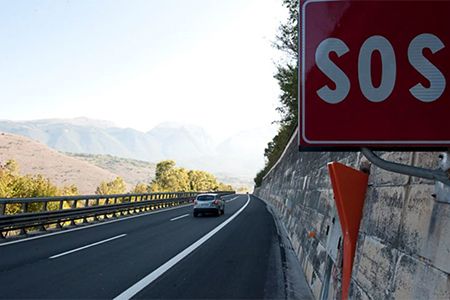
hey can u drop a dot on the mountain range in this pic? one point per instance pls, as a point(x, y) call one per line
point(190, 146)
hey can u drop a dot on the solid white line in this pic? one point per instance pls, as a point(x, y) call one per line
point(87, 246)
point(91, 225)
point(177, 218)
point(141, 284)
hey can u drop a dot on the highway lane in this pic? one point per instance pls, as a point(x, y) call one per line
point(110, 259)
point(243, 261)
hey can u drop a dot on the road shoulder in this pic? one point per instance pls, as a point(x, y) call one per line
point(295, 280)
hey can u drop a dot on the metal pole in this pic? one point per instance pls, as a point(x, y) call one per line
point(438, 174)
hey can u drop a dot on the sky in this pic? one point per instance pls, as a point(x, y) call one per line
point(139, 63)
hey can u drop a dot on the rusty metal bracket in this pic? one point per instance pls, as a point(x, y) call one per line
point(441, 174)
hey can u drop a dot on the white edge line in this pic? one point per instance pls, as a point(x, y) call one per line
point(144, 282)
point(87, 246)
point(91, 225)
point(180, 217)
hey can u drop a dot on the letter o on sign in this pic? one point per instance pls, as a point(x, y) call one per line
point(389, 68)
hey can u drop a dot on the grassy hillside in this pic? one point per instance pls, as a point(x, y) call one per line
point(36, 158)
point(131, 170)
point(86, 171)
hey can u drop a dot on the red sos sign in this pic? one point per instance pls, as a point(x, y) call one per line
point(374, 73)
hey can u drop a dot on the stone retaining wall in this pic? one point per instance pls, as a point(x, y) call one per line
point(403, 249)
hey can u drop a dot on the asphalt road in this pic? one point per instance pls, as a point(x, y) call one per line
point(168, 254)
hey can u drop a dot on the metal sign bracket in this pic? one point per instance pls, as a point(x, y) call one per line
point(440, 175)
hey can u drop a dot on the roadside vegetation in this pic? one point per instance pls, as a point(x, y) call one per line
point(14, 185)
point(287, 77)
point(169, 178)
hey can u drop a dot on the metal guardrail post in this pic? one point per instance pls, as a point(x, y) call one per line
point(24, 210)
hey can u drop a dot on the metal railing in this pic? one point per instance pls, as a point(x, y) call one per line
point(19, 216)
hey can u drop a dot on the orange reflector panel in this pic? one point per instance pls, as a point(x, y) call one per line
point(349, 187)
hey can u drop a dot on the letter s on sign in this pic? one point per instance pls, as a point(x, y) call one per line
point(426, 68)
point(326, 65)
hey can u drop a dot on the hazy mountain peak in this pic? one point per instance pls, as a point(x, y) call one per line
point(169, 125)
point(189, 145)
point(78, 121)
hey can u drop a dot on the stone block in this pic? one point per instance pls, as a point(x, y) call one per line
point(316, 222)
point(380, 177)
point(425, 228)
point(316, 285)
point(375, 268)
point(427, 160)
point(318, 260)
point(416, 218)
point(357, 293)
point(325, 201)
point(415, 279)
point(323, 180)
point(312, 199)
point(437, 244)
point(382, 213)
point(308, 270)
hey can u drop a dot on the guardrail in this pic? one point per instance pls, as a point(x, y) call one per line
point(20, 216)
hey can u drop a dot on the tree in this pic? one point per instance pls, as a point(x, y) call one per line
point(170, 178)
point(223, 187)
point(116, 186)
point(140, 188)
point(70, 190)
point(201, 181)
point(14, 185)
point(287, 77)
point(163, 167)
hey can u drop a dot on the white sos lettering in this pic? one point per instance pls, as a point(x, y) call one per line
point(388, 70)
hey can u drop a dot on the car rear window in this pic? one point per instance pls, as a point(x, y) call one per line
point(205, 198)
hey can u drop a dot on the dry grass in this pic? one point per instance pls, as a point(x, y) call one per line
point(131, 170)
point(36, 158)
